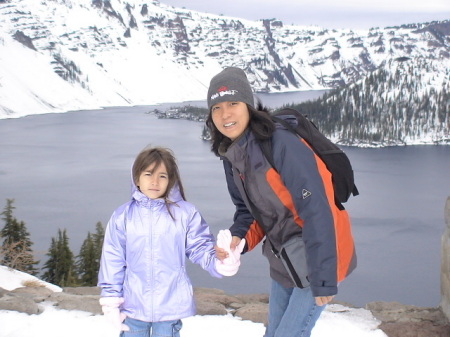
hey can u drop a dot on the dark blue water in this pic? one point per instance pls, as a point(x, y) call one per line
point(71, 170)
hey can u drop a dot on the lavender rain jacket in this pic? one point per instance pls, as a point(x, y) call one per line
point(144, 256)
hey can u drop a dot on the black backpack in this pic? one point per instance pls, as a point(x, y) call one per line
point(334, 158)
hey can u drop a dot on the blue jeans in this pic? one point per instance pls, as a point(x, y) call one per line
point(154, 329)
point(292, 312)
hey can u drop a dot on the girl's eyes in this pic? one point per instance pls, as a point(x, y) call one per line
point(163, 176)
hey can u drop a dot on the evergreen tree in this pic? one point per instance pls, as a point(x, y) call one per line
point(52, 263)
point(60, 265)
point(88, 261)
point(16, 251)
point(98, 240)
point(87, 265)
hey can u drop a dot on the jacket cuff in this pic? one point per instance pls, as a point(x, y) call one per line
point(113, 302)
point(323, 291)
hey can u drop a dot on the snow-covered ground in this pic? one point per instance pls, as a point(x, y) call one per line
point(336, 320)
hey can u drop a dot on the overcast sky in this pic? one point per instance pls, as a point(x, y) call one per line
point(362, 14)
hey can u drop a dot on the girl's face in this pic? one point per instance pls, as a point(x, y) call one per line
point(153, 181)
point(230, 118)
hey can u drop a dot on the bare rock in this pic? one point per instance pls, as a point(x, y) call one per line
point(83, 290)
point(87, 303)
point(212, 301)
point(396, 312)
point(254, 298)
point(214, 295)
point(415, 329)
point(18, 303)
point(255, 312)
point(32, 291)
point(205, 307)
point(399, 320)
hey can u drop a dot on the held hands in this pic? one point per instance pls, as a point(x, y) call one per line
point(229, 257)
point(110, 308)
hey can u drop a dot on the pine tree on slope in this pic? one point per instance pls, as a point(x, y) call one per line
point(60, 266)
point(16, 251)
point(88, 261)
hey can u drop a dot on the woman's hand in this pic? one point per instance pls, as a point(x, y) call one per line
point(235, 241)
point(322, 300)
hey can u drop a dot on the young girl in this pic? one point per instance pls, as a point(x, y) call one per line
point(142, 275)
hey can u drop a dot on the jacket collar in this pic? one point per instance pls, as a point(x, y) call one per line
point(236, 153)
point(142, 199)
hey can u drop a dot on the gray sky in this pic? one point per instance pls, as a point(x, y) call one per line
point(362, 14)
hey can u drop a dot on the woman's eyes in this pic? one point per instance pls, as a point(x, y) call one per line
point(214, 108)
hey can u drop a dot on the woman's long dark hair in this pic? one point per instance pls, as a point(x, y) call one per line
point(260, 124)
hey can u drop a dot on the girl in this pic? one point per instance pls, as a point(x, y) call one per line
point(142, 273)
point(291, 203)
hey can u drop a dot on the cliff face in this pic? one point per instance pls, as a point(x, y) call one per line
point(115, 49)
point(445, 263)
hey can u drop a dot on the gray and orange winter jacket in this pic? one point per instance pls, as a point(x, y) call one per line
point(295, 199)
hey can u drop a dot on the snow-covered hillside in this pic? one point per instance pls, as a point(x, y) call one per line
point(59, 55)
point(403, 102)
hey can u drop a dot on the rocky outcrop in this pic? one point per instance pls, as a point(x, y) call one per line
point(209, 301)
point(445, 263)
point(397, 319)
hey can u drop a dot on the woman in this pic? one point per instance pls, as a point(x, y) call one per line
point(291, 202)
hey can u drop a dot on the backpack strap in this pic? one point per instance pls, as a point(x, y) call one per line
point(266, 145)
point(266, 148)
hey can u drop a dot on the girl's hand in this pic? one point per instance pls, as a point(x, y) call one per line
point(221, 253)
point(322, 300)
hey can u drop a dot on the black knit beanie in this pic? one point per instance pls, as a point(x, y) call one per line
point(230, 85)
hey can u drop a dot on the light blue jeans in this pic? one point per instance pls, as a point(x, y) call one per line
point(153, 329)
point(292, 312)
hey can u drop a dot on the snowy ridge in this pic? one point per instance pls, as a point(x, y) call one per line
point(60, 55)
point(404, 102)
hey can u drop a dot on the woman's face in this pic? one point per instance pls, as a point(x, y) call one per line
point(230, 118)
